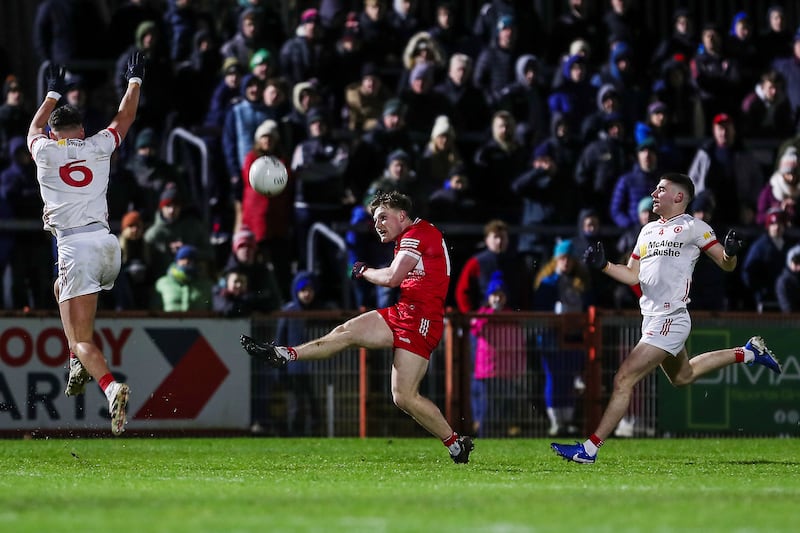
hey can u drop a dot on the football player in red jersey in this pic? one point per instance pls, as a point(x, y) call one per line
point(413, 326)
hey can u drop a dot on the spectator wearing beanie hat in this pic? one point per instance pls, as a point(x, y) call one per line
point(173, 227)
point(269, 219)
point(500, 364)
point(765, 259)
point(248, 258)
point(133, 287)
point(184, 287)
point(561, 285)
point(440, 154)
point(305, 56)
point(782, 190)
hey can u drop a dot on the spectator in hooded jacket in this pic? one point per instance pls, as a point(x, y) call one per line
point(787, 286)
point(526, 100)
point(494, 68)
point(575, 97)
point(184, 285)
point(156, 100)
point(303, 410)
point(307, 55)
point(244, 44)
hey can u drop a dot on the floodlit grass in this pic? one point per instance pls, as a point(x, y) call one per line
point(374, 485)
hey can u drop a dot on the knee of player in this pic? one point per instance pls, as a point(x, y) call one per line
point(401, 399)
point(682, 380)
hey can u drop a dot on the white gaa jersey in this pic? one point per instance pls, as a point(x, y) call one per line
point(667, 251)
point(73, 178)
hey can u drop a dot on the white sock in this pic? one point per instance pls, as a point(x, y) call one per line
point(749, 355)
point(590, 448)
point(455, 448)
point(111, 390)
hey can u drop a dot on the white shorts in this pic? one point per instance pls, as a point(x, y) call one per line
point(87, 263)
point(668, 332)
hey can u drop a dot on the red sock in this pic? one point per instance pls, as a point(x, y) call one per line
point(739, 353)
point(72, 355)
point(450, 440)
point(105, 381)
point(292, 353)
point(597, 441)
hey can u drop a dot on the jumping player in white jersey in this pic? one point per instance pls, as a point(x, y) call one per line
point(662, 264)
point(73, 173)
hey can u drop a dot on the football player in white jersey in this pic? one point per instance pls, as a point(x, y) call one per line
point(73, 173)
point(662, 264)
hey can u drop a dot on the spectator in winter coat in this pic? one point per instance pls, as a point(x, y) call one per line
point(600, 165)
point(474, 278)
point(782, 191)
point(776, 41)
point(575, 98)
point(469, 112)
point(494, 68)
point(246, 257)
point(765, 259)
point(500, 365)
point(243, 45)
point(730, 171)
point(635, 185)
point(789, 67)
point(787, 286)
point(766, 112)
point(184, 286)
point(232, 297)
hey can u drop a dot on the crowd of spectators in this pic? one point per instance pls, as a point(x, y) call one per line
point(504, 119)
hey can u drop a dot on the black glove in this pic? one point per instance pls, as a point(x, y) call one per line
point(135, 66)
point(358, 270)
point(732, 244)
point(595, 256)
point(55, 79)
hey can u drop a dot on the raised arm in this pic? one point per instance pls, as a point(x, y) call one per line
point(56, 86)
point(126, 114)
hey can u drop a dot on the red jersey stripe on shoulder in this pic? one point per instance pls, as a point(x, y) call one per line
point(117, 140)
point(709, 245)
point(37, 137)
point(635, 256)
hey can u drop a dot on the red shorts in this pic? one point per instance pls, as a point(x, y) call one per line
point(416, 334)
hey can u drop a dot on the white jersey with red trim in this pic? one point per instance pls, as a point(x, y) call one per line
point(667, 251)
point(73, 178)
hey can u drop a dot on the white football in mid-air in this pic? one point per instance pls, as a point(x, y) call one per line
point(268, 175)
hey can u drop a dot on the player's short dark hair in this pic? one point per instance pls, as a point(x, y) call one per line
point(65, 117)
point(392, 200)
point(683, 180)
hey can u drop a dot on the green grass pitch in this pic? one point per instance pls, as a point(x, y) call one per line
point(385, 485)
